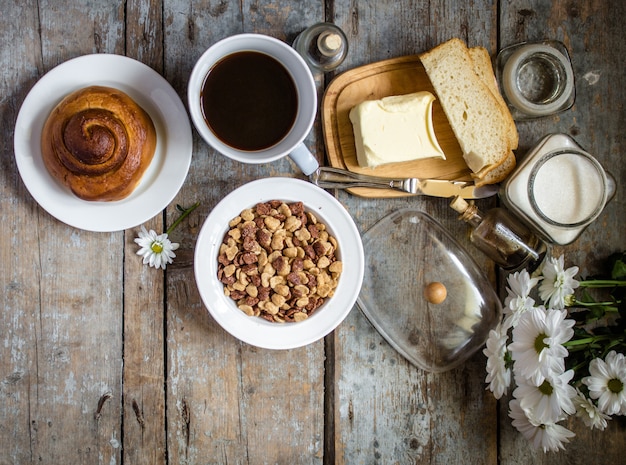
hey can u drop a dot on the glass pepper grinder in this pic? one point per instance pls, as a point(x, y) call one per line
point(323, 46)
point(501, 237)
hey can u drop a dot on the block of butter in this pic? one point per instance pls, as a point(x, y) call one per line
point(394, 129)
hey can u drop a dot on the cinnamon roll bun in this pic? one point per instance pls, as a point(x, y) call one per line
point(98, 142)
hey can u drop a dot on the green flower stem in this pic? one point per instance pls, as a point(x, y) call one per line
point(184, 214)
point(583, 344)
point(582, 364)
point(596, 283)
point(614, 343)
point(609, 308)
point(586, 341)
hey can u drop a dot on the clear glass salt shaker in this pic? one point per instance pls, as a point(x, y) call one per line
point(323, 46)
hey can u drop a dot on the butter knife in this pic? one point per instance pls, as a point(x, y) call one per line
point(334, 178)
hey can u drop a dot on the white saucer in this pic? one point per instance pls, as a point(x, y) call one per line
point(166, 173)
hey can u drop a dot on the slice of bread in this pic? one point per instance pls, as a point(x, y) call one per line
point(470, 99)
point(497, 173)
point(484, 69)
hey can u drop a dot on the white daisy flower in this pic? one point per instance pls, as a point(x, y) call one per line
point(607, 383)
point(156, 250)
point(517, 301)
point(557, 282)
point(547, 436)
point(537, 348)
point(550, 400)
point(589, 412)
point(498, 374)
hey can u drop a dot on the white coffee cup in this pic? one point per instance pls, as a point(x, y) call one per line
point(292, 144)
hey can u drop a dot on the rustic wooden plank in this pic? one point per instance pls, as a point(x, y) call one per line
point(144, 32)
point(228, 402)
point(74, 29)
point(61, 360)
point(593, 34)
point(19, 254)
point(144, 307)
point(386, 409)
point(144, 372)
point(76, 431)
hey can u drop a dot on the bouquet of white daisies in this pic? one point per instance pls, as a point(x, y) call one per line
point(565, 356)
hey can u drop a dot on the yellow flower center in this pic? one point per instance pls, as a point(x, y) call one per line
point(539, 344)
point(546, 388)
point(157, 247)
point(615, 386)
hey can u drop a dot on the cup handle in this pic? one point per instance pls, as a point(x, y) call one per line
point(304, 159)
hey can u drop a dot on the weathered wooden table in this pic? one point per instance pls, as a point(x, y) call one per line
point(103, 360)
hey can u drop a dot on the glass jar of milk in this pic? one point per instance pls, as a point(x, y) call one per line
point(558, 188)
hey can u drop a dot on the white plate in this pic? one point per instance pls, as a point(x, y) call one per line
point(255, 330)
point(168, 168)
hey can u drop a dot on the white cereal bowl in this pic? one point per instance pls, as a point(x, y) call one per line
point(255, 330)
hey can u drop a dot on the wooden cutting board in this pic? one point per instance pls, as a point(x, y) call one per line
point(396, 76)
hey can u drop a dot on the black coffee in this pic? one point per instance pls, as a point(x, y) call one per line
point(249, 100)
